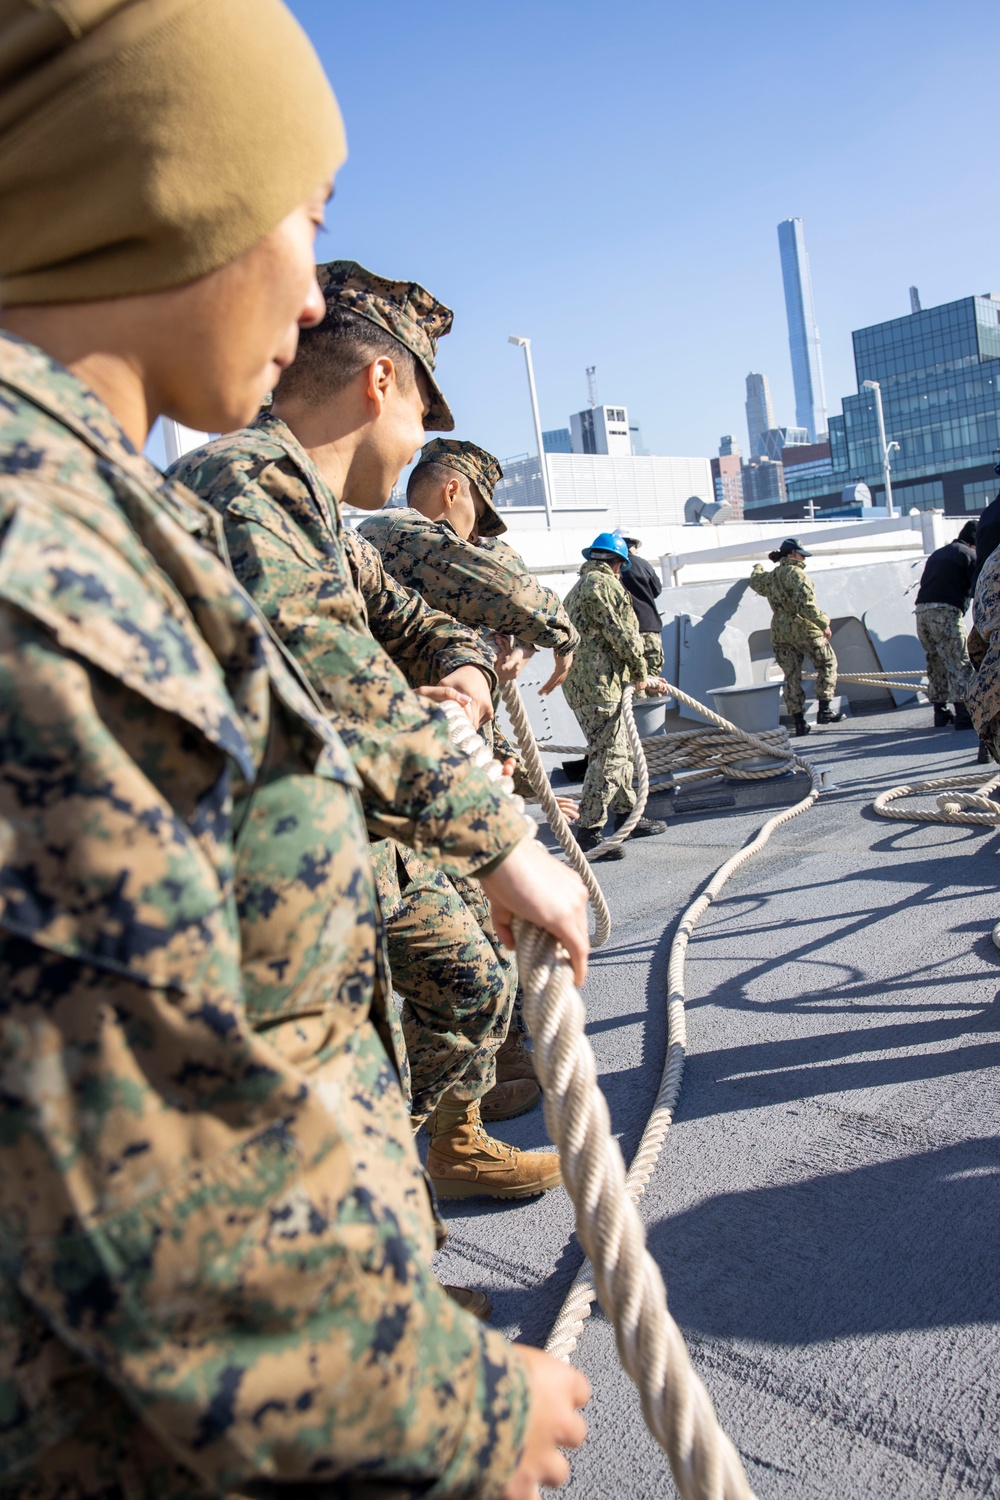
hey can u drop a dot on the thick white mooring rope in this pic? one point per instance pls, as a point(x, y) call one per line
point(956, 804)
point(576, 1307)
point(537, 775)
point(676, 1406)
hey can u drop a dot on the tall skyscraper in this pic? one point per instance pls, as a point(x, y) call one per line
point(760, 413)
point(803, 334)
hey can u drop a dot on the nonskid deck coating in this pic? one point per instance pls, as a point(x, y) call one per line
point(826, 1210)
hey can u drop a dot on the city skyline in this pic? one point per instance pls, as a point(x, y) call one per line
point(581, 185)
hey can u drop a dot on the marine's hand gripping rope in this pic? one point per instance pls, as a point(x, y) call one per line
point(537, 775)
point(675, 1404)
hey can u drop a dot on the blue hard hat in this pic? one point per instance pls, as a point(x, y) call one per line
point(609, 541)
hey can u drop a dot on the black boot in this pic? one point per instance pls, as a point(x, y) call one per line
point(801, 727)
point(984, 757)
point(644, 829)
point(962, 720)
point(589, 838)
point(943, 716)
point(575, 770)
point(826, 715)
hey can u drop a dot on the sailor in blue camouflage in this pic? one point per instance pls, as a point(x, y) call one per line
point(798, 629)
point(610, 655)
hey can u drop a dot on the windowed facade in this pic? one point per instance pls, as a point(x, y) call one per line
point(929, 496)
point(939, 373)
point(980, 493)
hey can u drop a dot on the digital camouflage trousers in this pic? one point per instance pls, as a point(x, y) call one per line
point(457, 981)
point(608, 782)
point(789, 658)
point(939, 629)
point(652, 650)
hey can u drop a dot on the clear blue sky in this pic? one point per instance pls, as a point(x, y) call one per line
point(607, 178)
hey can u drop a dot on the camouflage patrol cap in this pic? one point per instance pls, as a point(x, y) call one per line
point(476, 464)
point(403, 308)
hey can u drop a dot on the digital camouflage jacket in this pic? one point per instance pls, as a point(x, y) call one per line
point(789, 591)
point(285, 537)
point(611, 652)
point(214, 1238)
point(486, 586)
point(407, 629)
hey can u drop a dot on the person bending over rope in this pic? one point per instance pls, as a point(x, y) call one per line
point(611, 653)
point(799, 628)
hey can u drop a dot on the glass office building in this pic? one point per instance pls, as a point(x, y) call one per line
point(939, 373)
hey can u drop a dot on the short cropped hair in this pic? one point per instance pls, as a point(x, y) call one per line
point(425, 475)
point(333, 353)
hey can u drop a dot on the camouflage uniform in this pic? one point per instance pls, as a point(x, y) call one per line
point(486, 586)
point(457, 978)
point(939, 630)
point(797, 630)
point(652, 650)
point(982, 697)
point(215, 1236)
point(326, 593)
point(610, 655)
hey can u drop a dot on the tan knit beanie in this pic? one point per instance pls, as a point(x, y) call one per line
point(144, 143)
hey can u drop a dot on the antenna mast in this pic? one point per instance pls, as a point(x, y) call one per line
point(592, 385)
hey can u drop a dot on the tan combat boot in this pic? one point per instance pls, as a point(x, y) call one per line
point(514, 1060)
point(475, 1302)
point(512, 1096)
point(465, 1162)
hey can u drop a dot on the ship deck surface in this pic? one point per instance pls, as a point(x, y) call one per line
point(827, 1205)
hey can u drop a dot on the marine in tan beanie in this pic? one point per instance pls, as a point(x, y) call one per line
point(216, 1271)
point(163, 167)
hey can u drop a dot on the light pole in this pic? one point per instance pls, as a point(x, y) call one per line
point(873, 385)
point(525, 344)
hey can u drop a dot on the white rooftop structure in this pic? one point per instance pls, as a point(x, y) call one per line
point(621, 490)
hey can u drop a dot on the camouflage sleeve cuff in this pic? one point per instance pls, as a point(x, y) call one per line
point(571, 645)
point(450, 659)
point(493, 1435)
point(470, 829)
